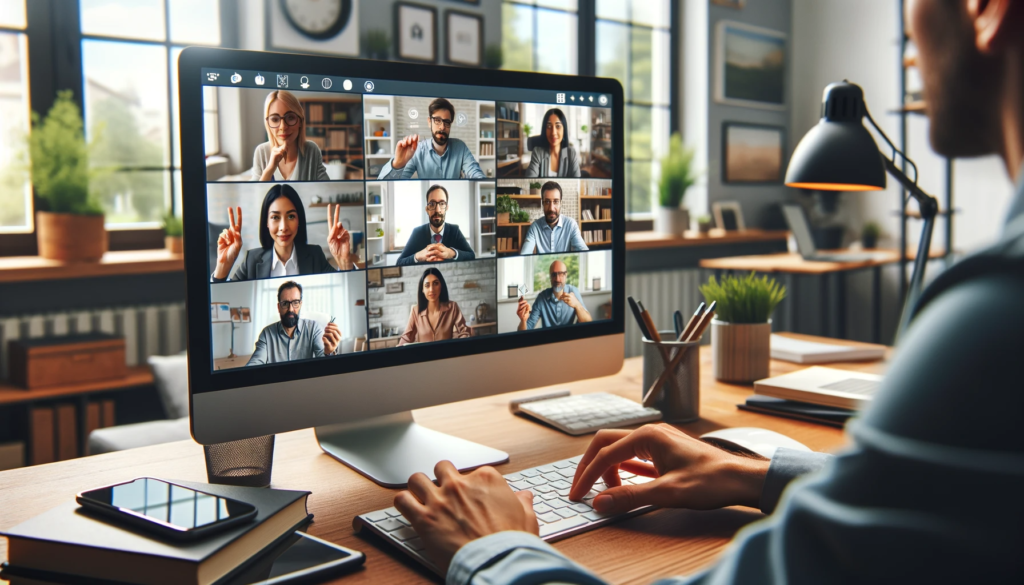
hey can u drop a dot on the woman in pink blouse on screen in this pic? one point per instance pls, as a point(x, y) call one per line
point(434, 318)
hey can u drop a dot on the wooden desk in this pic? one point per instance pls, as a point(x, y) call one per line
point(651, 240)
point(789, 265)
point(638, 550)
point(226, 363)
point(28, 268)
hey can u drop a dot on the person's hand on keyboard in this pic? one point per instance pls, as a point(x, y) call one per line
point(462, 508)
point(689, 472)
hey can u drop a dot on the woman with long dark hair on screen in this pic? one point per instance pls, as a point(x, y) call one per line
point(556, 157)
point(283, 251)
point(434, 317)
point(286, 155)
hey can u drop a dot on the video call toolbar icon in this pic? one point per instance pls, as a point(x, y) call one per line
point(260, 80)
point(603, 100)
point(327, 83)
point(304, 82)
point(368, 86)
point(282, 81)
point(347, 84)
point(236, 78)
point(560, 98)
point(212, 76)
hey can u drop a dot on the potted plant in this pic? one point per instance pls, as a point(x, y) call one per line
point(742, 327)
point(173, 232)
point(505, 206)
point(705, 223)
point(377, 44)
point(869, 235)
point(521, 216)
point(527, 131)
point(69, 221)
point(535, 187)
point(677, 175)
point(493, 57)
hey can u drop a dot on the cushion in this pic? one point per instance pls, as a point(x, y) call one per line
point(143, 434)
point(170, 375)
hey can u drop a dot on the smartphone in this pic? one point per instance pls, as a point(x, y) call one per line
point(166, 509)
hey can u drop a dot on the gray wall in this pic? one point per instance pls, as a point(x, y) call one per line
point(380, 15)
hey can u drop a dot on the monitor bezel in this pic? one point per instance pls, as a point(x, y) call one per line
point(201, 375)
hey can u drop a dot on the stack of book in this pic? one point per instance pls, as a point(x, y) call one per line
point(508, 245)
point(597, 236)
point(68, 544)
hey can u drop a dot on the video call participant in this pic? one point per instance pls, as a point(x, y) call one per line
point(434, 318)
point(557, 158)
point(287, 155)
point(293, 338)
point(436, 241)
point(441, 158)
point(553, 233)
point(284, 250)
point(556, 305)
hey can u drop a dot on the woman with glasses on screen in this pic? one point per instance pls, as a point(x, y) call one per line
point(283, 251)
point(287, 155)
point(555, 157)
point(434, 317)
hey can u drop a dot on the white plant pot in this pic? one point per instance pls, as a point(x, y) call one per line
point(740, 351)
point(672, 221)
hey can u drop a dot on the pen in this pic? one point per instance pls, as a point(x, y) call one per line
point(691, 323)
point(639, 319)
point(677, 321)
point(652, 329)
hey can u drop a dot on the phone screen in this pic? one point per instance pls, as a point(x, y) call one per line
point(299, 556)
point(167, 503)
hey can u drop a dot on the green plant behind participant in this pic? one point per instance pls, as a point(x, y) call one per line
point(746, 299)
point(677, 174)
point(59, 159)
point(173, 226)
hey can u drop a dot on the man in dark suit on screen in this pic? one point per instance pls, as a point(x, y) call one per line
point(436, 241)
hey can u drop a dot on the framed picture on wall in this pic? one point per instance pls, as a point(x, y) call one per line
point(752, 154)
point(734, 4)
point(728, 216)
point(391, 272)
point(416, 32)
point(464, 45)
point(750, 66)
point(394, 288)
point(374, 278)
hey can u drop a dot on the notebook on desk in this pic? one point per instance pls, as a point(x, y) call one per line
point(822, 386)
point(801, 351)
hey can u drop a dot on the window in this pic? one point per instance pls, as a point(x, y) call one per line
point(15, 189)
point(130, 54)
point(632, 41)
point(540, 35)
point(407, 209)
point(322, 294)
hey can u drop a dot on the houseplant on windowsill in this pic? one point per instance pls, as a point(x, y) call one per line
point(869, 235)
point(173, 232)
point(742, 327)
point(677, 176)
point(69, 221)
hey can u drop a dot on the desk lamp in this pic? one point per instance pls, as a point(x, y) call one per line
point(839, 154)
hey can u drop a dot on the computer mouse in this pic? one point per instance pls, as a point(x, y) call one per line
point(752, 440)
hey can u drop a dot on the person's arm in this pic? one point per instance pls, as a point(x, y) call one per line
point(531, 322)
point(258, 162)
point(530, 241)
point(317, 160)
point(318, 342)
point(259, 355)
point(576, 243)
point(582, 314)
point(573, 161)
point(459, 328)
point(463, 251)
point(409, 336)
point(535, 155)
point(470, 168)
point(406, 151)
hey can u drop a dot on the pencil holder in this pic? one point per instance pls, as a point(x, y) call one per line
point(248, 462)
point(679, 397)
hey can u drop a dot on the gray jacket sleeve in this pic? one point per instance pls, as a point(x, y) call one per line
point(574, 163)
point(536, 155)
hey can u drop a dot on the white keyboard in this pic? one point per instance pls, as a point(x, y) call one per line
point(580, 414)
point(557, 516)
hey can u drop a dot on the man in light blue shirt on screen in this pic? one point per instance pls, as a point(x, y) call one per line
point(554, 233)
point(554, 306)
point(440, 158)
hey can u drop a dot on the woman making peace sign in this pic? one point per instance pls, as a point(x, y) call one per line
point(284, 250)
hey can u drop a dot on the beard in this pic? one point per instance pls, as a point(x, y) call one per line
point(290, 319)
point(437, 220)
point(441, 138)
point(552, 217)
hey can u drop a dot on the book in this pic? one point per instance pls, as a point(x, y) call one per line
point(826, 415)
point(822, 386)
point(801, 351)
point(72, 541)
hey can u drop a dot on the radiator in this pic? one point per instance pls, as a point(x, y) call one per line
point(662, 293)
point(148, 330)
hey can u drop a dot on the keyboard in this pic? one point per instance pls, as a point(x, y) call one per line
point(557, 516)
point(580, 414)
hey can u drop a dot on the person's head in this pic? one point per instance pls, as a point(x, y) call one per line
point(289, 303)
point(971, 58)
point(284, 119)
point(442, 115)
point(551, 199)
point(432, 288)
point(555, 128)
point(282, 218)
point(437, 205)
point(559, 275)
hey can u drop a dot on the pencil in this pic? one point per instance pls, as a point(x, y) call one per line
point(691, 323)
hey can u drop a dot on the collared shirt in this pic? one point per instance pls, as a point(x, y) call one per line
point(435, 238)
point(552, 311)
point(289, 268)
point(427, 164)
point(565, 237)
point(274, 346)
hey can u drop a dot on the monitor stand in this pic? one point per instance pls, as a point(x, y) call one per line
point(388, 449)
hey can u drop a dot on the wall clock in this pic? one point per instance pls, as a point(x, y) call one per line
point(317, 19)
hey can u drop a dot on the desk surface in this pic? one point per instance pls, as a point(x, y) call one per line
point(795, 264)
point(652, 240)
point(638, 550)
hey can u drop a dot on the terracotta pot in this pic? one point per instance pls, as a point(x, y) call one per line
point(740, 351)
point(71, 238)
point(174, 244)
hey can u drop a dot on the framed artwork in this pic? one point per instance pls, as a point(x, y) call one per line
point(391, 272)
point(375, 312)
point(394, 288)
point(236, 314)
point(596, 284)
point(373, 278)
point(513, 292)
point(416, 32)
point(750, 66)
point(464, 45)
point(728, 216)
point(246, 316)
point(752, 154)
point(734, 4)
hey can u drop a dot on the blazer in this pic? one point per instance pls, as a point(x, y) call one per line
point(540, 161)
point(422, 237)
point(259, 262)
point(451, 325)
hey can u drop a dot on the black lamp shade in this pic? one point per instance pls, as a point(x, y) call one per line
point(838, 154)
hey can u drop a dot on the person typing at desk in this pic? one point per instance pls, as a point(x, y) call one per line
point(293, 338)
point(559, 305)
point(929, 490)
point(436, 241)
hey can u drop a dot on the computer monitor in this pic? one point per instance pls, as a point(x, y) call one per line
point(363, 239)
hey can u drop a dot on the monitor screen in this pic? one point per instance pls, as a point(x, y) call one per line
point(353, 223)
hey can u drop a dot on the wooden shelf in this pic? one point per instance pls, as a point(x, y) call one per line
point(525, 197)
point(596, 197)
point(654, 240)
point(514, 224)
point(918, 107)
point(341, 204)
point(506, 163)
point(507, 121)
point(29, 268)
point(137, 376)
point(595, 221)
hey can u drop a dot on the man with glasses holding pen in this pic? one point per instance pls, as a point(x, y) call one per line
point(440, 158)
point(293, 338)
point(436, 241)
